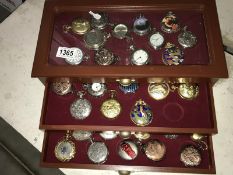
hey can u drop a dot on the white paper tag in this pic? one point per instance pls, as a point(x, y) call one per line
point(69, 53)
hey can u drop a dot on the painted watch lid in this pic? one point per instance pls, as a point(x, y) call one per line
point(95, 89)
point(127, 150)
point(81, 135)
point(188, 91)
point(141, 113)
point(80, 108)
point(170, 23)
point(111, 108)
point(155, 150)
point(158, 91)
point(61, 86)
point(105, 57)
point(172, 55)
point(190, 156)
point(186, 38)
point(141, 26)
point(131, 88)
point(98, 152)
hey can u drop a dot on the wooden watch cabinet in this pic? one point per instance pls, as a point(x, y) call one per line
point(203, 64)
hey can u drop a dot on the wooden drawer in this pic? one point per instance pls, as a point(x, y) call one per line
point(171, 115)
point(170, 162)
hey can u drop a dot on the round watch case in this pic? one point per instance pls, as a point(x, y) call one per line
point(80, 108)
point(156, 40)
point(187, 39)
point(190, 156)
point(141, 26)
point(141, 113)
point(61, 86)
point(120, 31)
point(170, 23)
point(81, 135)
point(111, 108)
point(79, 26)
point(95, 89)
point(104, 57)
point(158, 91)
point(155, 150)
point(100, 23)
point(139, 57)
point(65, 150)
point(98, 152)
point(188, 91)
point(95, 39)
point(127, 150)
point(78, 58)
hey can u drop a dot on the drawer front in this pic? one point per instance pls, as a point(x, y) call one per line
point(170, 162)
point(170, 115)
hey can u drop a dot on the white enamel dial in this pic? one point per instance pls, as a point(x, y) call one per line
point(76, 58)
point(156, 40)
point(140, 57)
point(96, 87)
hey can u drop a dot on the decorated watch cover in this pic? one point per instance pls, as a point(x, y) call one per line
point(170, 23)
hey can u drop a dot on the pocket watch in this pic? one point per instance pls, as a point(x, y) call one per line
point(141, 26)
point(172, 55)
point(186, 38)
point(188, 91)
point(80, 108)
point(111, 108)
point(139, 57)
point(170, 23)
point(199, 140)
point(79, 26)
point(125, 134)
point(127, 150)
point(81, 135)
point(105, 57)
point(158, 91)
point(97, 152)
point(121, 31)
point(95, 89)
point(131, 88)
point(79, 57)
point(99, 20)
point(109, 135)
point(156, 40)
point(62, 86)
point(171, 136)
point(142, 135)
point(95, 39)
point(190, 156)
point(141, 113)
point(65, 149)
point(154, 150)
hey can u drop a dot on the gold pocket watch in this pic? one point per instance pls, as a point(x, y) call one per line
point(188, 91)
point(111, 108)
point(158, 91)
point(65, 149)
point(79, 26)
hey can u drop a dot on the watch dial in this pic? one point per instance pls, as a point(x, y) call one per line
point(96, 87)
point(156, 40)
point(140, 57)
point(77, 59)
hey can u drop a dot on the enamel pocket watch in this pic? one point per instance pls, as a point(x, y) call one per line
point(170, 23)
point(141, 26)
point(141, 113)
point(81, 107)
point(188, 91)
point(139, 57)
point(127, 150)
point(156, 40)
point(131, 88)
point(111, 108)
point(172, 55)
point(65, 149)
point(105, 57)
point(62, 86)
point(79, 26)
point(95, 39)
point(186, 38)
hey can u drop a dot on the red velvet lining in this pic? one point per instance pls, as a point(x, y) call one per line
point(171, 159)
point(171, 112)
point(193, 19)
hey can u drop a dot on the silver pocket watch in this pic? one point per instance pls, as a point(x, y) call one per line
point(95, 89)
point(139, 57)
point(81, 107)
point(99, 20)
point(105, 57)
point(156, 39)
point(187, 39)
point(80, 56)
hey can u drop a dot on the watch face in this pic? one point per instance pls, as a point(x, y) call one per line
point(77, 59)
point(65, 150)
point(98, 152)
point(120, 31)
point(94, 39)
point(140, 57)
point(141, 26)
point(95, 89)
point(156, 40)
point(80, 109)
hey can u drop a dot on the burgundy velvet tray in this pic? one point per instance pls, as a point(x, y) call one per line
point(197, 55)
point(170, 162)
point(173, 114)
